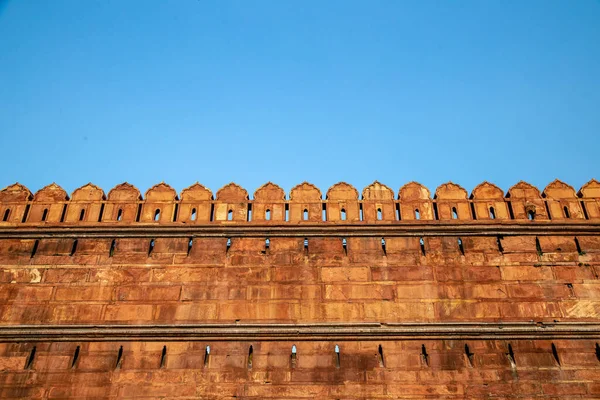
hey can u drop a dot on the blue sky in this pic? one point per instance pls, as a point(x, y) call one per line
point(286, 91)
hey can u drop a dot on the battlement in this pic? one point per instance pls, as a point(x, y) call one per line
point(378, 204)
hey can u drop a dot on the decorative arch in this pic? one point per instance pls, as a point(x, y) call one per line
point(342, 191)
point(377, 191)
point(557, 189)
point(269, 192)
point(88, 192)
point(450, 191)
point(590, 189)
point(487, 191)
point(50, 193)
point(232, 192)
point(124, 192)
point(14, 193)
point(161, 192)
point(414, 191)
point(523, 190)
point(196, 192)
point(305, 192)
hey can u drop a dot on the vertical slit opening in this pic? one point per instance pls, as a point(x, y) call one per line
point(6, 214)
point(360, 211)
point(585, 214)
point(287, 212)
point(343, 214)
point(82, 214)
point(293, 357)
point(305, 215)
point(492, 213)
point(499, 242)
point(422, 243)
point(469, 355)
point(175, 212)
point(598, 352)
point(511, 357)
point(454, 213)
point(212, 212)
point(113, 245)
point(579, 251)
point(73, 248)
point(119, 358)
point(64, 213)
point(383, 247)
point(228, 245)
point(139, 213)
point(163, 357)
point(424, 355)
point(190, 244)
point(306, 246)
point(157, 215)
point(337, 356)
point(398, 215)
point(193, 215)
point(381, 359)
point(379, 214)
point(345, 246)
point(206, 356)
point(250, 356)
point(267, 245)
point(510, 210)
point(249, 213)
point(324, 212)
point(473, 213)
point(460, 246)
point(538, 247)
point(435, 211)
point(75, 357)
point(26, 213)
point(151, 247)
point(566, 210)
point(417, 214)
point(230, 215)
point(101, 212)
point(44, 214)
point(119, 215)
point(268, 215)
point(35, 247)
point(531, 215)
point(555, 355)
point(30, 359)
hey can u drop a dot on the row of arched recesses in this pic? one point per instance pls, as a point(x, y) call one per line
point(306, 241)
point(469, 357)
point(306, 213)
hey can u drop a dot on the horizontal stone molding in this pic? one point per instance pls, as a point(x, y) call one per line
point(305, 332)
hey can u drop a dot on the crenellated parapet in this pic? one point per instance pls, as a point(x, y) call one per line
point(342, 204)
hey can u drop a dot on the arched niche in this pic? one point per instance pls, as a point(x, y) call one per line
point(305, 203)
point(231, 204)
point(13, 203)
point(562, 201)
point(452, 202)
point(86, 204)
point(489, 203)
point(415, 202)
point(122, 204)
point(526, 202)
point(195, 205)
point(269, 204)
point(48, 205)
point(159, 204)
point(342, 203)
point(378, 203)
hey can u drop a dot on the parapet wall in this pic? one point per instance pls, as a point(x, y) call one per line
point(378, 203)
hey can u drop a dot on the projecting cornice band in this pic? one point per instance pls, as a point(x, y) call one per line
point(305, 332)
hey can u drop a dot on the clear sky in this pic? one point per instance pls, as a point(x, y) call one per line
point(325, 91)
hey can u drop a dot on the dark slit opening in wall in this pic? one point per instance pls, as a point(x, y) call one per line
point(531, 215)
point(511, 357)
point(113, 244)
point(510, 210)
point(163, 357)
point(398, 215)
point(345, 246)
point(82, 214)
point(75, 357)
point(119, 215)
point(228, 245)
point(175, 212)
point(499, 242)
point(324, 212)
point(305, 215)
point(139, 213)
point(293, 356)
point(249, 213)
point(206, 356)
point(460, 246)
point(473, 214)
point(454, 213)
point(417, 214)
point(268, 215)
point(267, 245)
point(44, 214)
point(230, 215)
point(435, 212)
point(566, 210)
point(337, 356)
point(119, 358)
point(381, 359)
point(383, 246)
point(492, 213)
point(538, 247)
point(306, 245)
point(64, 213)
point(287, 212)
point(579, 251)
point(585, 214)
point(190, 244)
point(343, 214)
point(34, 249)
point(193, 215)
point(212, 212)
point(598, 352)
point(157, 214)
point(29, 362)
point(250, 356)
point(422, 243)
point(151, 247)
point(26, 213)
point(555, 355)
point(101, 212)
point(6, 214)
point(547, 210)
point(469, 355)
point(424, 355)
point(379, 214)
point(74, 247)
point(360, 212)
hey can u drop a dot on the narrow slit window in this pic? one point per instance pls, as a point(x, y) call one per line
point(82, 214)
point(26, 213)
point(324, 212)
point(422, 243)
point(337, 356)
point(492, 213)
point(120, 215)
point(228, 245)
point(379, 214)
point(6, 214)
point(63, 214)
point(139, 213)
point(75, 357)
point(267, 244)
point(44, 214)
point(345, 246)
point(306, 245)
point(531, 215)
point(190, 244)
point(383, 247)
point(454, 213)
point(157, 214)
point(360, 211)
point(305, 215)
point(460, 246)
point(343, 214)
point(268, 215)
point(287, 212)
point(212, 212)
point(101, 212)
point(417, 214)
point(194, 215)
point(151, 247)
point(566, 209)
point(469, 355)
point(249, 213)
point(119, 358)
point(398, 216)
point(293, 356)
point(555, 355)
point(35, 247)
point(206, 356)
point(380, 354)
point(473, 213)
point(499, 242)
point(73, 248)
point(250, 356)
point(435, 212)
point(511, 357)
point(163, 357)
point(424, 355)
point(230, 215)
point(598, 352)
point(538, 247)
point(175, 212)
point(113, 245)
point(30, 359)
point(579, 251)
